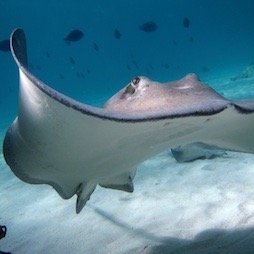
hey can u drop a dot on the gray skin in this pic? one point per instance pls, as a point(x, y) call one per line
point(144, 95)
point(74, 147)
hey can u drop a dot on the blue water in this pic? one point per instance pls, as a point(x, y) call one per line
point(220, 39)
point(218, 44)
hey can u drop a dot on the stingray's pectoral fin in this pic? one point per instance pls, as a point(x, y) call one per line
point(194, 151)
point(122, 182)
point(84, 192)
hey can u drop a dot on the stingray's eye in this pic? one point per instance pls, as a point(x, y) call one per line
point(130, 89)
point(135, 81)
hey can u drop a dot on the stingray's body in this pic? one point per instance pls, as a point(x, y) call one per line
point(74, 147)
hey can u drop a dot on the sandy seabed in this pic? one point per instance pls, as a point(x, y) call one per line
point(206, 206)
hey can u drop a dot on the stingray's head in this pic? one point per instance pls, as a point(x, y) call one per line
point(137, 89)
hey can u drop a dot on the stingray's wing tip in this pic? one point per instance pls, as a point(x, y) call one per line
point(18, 47)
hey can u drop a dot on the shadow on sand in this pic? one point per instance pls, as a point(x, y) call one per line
point(237, 241)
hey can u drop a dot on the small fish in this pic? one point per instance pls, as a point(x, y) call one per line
point(96, 47)
point(128, 67)
point(191, 39)
point(48, 54)
point(148, 27)
point(82, 75)
point(117, 34)
point(186, 22)
point(72, 60)
point(151, 67)
point(73, 36)
point(5, 46)
point(166, 65)
point(135, 63)
point(10, 89)
point(175, 42)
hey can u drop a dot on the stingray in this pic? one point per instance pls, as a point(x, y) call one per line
point(74, 147)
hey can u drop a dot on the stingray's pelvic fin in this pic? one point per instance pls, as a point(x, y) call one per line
point(121, 182)
point(84, 192)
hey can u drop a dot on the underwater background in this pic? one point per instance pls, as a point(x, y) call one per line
point(173, 204)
